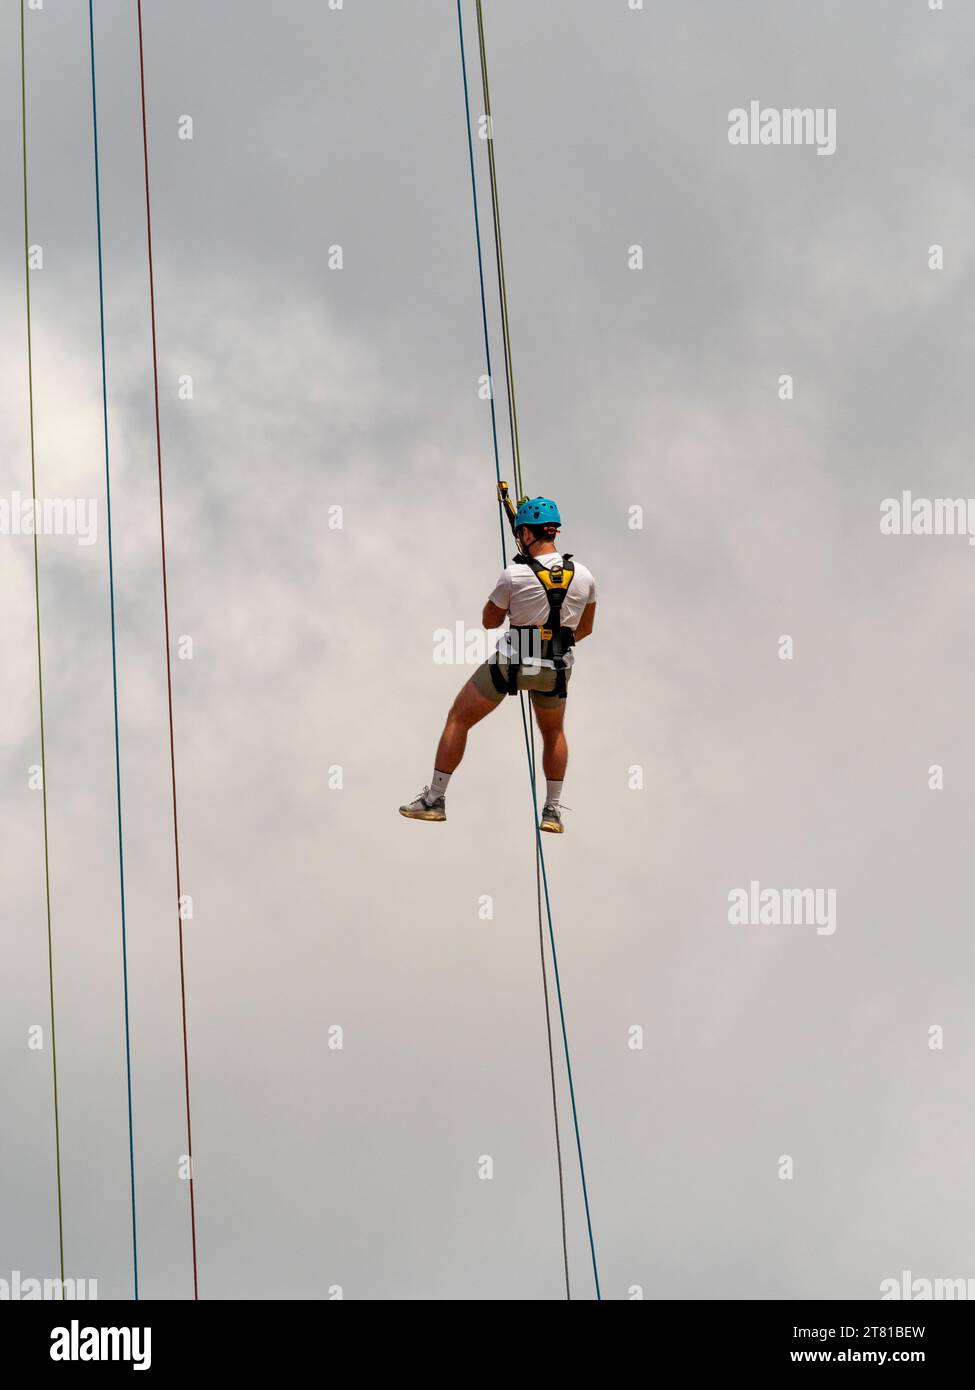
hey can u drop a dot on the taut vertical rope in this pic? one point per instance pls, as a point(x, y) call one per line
point(40, 666)
point(499, 257)
point(169, 664)
point(111, 592)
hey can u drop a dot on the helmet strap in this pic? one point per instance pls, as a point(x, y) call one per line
point(543, 535)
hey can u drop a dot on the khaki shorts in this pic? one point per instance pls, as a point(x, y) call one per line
point(539, 683)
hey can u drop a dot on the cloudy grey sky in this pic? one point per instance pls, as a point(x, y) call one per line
point(313, 648)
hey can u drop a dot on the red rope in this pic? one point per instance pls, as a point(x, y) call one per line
point(169, 665)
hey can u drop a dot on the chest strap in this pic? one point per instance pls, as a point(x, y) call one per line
point(555, 581)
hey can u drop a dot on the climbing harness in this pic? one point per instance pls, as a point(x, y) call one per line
point(533, 644)
point(537, 643)
point(556, 639)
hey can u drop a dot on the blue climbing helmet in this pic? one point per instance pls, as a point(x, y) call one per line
point(537, 511)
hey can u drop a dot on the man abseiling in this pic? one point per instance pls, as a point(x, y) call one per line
point(550, 602)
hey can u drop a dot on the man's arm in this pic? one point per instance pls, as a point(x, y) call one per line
point(493, 616)
point(586, 622)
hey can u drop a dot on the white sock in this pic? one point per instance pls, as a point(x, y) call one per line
point(438, 787)
point(553, 793)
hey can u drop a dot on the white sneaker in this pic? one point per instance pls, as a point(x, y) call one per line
point(425, 807)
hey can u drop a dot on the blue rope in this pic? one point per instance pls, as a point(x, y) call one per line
point(558, 993)
point(524, 719)
point(111, 590)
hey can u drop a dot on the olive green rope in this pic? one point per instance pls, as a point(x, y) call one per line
point(499, 255)
point(40, 669)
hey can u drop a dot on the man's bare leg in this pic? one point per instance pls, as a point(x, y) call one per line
point(468, 709)
point(555, 757)
point(555, 751)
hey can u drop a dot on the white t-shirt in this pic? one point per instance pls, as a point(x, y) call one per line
point(522, 595)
